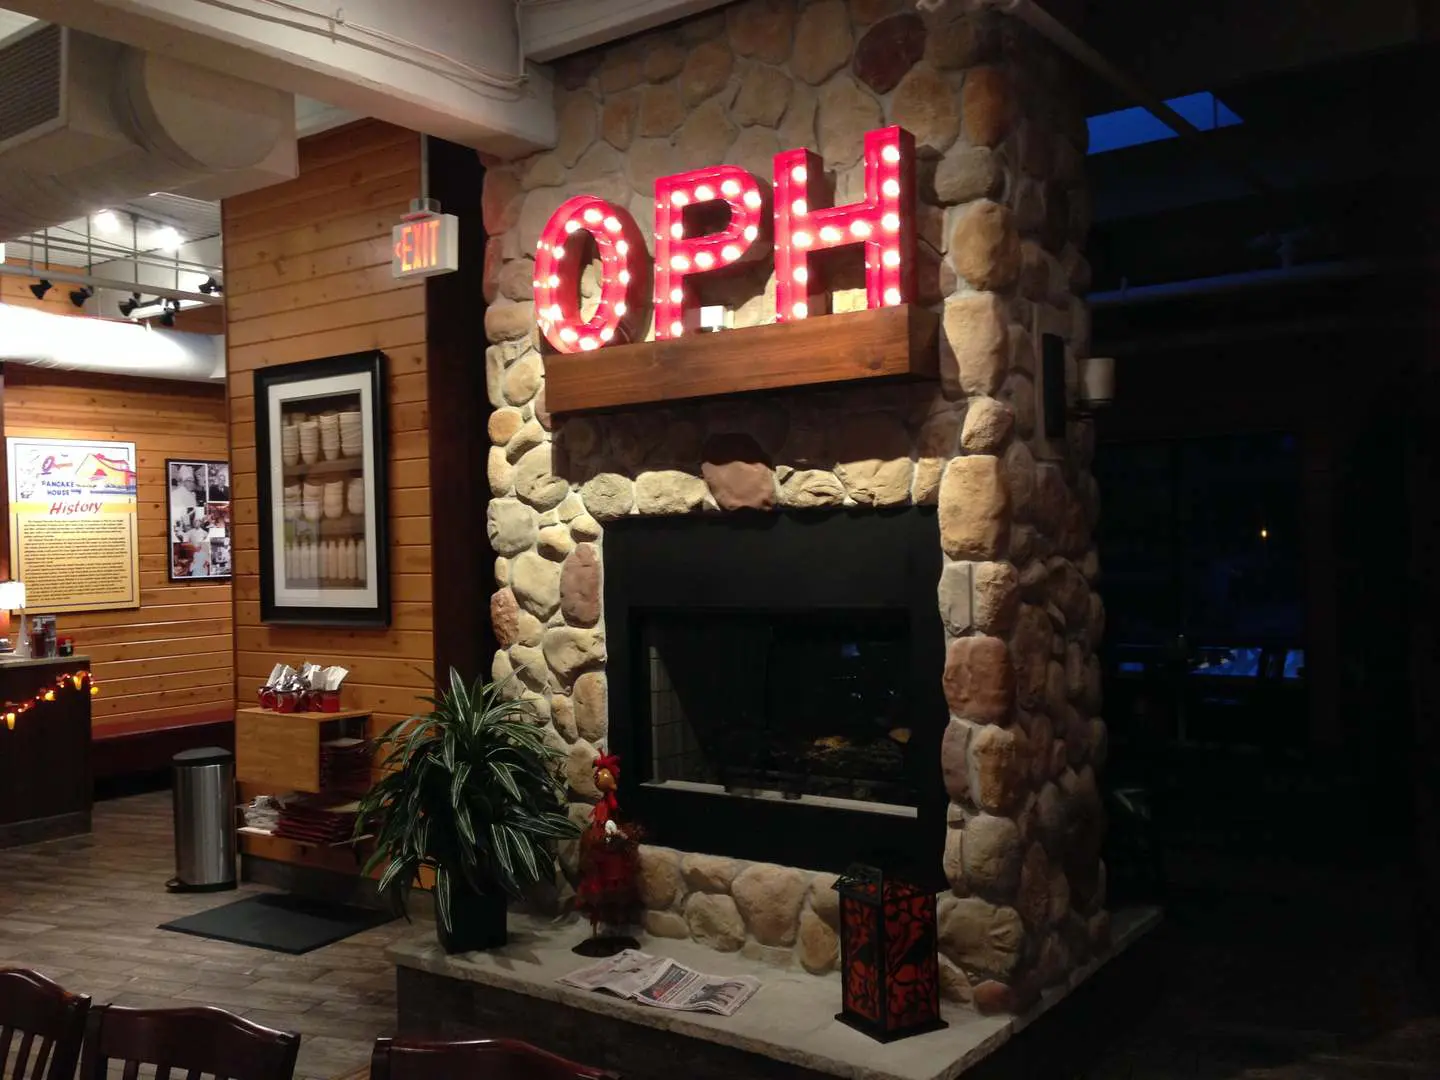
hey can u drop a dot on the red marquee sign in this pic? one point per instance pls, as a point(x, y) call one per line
point(794, 220)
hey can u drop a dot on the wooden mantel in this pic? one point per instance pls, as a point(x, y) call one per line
point(885, 342)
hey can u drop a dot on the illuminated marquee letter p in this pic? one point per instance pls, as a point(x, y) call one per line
point(678, 255)
point(884, 221)
point(624, 276)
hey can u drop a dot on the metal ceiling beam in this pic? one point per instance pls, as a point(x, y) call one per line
point(111, 283)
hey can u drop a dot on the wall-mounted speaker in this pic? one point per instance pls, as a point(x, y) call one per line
point(1052, 384)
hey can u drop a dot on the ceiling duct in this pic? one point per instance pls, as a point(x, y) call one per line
point(107, 347)
point(87, 123)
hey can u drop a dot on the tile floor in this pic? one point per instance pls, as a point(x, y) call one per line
point(85, 912)
point(1273, 973)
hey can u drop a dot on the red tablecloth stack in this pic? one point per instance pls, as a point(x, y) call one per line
point(316, 821)
point(345, 765)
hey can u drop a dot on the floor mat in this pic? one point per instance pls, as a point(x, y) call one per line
point(279, 922)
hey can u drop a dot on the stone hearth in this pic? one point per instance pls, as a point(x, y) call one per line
point(787, 1030)
point(1002, 218)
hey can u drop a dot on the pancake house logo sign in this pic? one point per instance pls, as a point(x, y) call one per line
point(790, 217)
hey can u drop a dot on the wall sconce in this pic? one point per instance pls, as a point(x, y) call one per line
point(1095, 392)
point(1097, 383)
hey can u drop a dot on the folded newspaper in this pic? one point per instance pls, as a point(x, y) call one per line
point(656, 980)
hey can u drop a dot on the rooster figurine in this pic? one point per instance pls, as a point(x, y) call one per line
point(608, 892)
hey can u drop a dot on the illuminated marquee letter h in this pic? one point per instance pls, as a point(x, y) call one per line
point(884, 221)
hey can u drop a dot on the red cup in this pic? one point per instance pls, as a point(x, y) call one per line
point(267, 697)
point(329, 700)
point(287, 701)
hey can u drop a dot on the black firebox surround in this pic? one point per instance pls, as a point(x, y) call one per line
point(784, 562)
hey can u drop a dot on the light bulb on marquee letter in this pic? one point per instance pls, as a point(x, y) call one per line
point(624, 276)
point(884, 221)
point(678, 256)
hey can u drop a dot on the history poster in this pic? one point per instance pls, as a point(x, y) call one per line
point(72, 524)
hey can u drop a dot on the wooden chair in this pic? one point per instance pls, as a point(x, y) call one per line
point(201, 1040)
point(36, 1008)
point(475, 1059)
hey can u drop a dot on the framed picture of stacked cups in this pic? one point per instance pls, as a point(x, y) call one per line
point(197, 500)
point(320, 459)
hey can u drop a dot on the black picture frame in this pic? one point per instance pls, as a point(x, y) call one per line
point(208, 497)
point(305, 596)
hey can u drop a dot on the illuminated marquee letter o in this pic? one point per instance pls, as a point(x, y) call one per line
point(624, 276)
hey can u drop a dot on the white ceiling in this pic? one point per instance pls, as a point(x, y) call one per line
point(10, 22)
point(73, 245)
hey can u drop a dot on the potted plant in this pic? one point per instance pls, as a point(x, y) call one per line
point(469, 790)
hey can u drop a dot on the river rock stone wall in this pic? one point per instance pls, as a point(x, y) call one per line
point(1003, 215)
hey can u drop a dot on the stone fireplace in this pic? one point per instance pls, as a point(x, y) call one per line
point(835, 623)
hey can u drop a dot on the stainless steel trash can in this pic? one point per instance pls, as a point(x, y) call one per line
point(204, 821)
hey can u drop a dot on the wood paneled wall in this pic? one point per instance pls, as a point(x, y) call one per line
point(307, 275)
point(15, 290)
point(170, 660)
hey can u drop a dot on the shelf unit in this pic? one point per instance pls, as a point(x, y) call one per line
point(279, 752)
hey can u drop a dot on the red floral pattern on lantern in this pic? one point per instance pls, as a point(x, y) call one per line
point(560, 258)
point(680, 255)
point(884, 221)
point(914, 983)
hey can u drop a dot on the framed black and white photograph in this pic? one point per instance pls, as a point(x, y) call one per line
point(197, 500)
point(320, 472)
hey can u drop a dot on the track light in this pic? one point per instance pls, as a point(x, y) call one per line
point(211, 287)
point(127, 307)
point(40, 288)
point(167, 316)
point(80, 295)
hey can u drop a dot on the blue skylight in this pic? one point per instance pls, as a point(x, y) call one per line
point(1133, 127)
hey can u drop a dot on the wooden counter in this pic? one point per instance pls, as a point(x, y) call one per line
point(45, 777)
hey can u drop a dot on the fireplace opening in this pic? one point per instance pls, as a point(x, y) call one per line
point(774, 684)
point(809, 705)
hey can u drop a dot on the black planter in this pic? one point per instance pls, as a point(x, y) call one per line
point(478, 922)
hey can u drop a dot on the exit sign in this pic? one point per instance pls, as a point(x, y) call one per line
point(425, 244)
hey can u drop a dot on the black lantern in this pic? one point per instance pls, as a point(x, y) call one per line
point(888, 962)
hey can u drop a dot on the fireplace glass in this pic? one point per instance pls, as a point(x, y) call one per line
point(793, 705)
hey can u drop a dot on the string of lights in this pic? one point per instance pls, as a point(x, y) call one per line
point(75, 681)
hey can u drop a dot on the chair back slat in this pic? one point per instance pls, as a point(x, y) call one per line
point(493, 1059)
point(50, 1022)
point(22, 1056)
point(42, 1059)
point(199, 1040)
